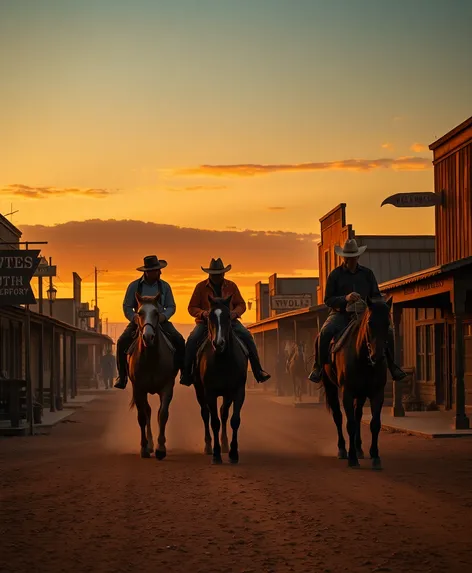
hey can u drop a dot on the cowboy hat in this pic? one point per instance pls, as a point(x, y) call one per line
point(350, 249)
point(152, 263)
point(216, 267)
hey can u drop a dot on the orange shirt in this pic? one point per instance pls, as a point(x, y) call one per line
point(199, 301)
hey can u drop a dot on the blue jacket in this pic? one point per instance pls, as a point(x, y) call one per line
point(166, 306)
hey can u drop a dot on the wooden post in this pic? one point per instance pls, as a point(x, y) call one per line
point(461, 421)
point(74, 364)
point(41, 364)
point(52, 382)
point(398, 411)
point(64, 366)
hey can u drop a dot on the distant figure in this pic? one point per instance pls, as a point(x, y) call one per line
point(347, 285)
point(296, 367)
point(199, 306)
point(149, 285)
point(107, 367)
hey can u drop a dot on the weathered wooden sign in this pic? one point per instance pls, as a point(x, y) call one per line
point(86, 313)
point(290, 301)
point(426, 199)
point(16, 271)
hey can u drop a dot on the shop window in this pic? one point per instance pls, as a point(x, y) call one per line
point(420, 353)
point(430, 354)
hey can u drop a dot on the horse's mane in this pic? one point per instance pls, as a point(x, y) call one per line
point(362, 329)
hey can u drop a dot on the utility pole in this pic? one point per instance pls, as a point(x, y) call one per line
point(95, 318)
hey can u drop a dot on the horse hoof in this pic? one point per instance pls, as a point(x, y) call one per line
point(208, 450)
point(360, 454)
point(160, 455)
point(376, 464)
point(145, 453)
point(353, 464)
point(217, 460)
point(234, 457)
point(342, 454)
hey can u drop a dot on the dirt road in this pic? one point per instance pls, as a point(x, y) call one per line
point(82, 500)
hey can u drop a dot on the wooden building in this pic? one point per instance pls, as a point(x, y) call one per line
point(433, 308)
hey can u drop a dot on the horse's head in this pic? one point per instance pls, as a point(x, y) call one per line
point(219, 322)
point(148, 317)
point(377, 323)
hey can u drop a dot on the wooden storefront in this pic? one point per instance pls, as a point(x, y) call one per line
point(433, 309)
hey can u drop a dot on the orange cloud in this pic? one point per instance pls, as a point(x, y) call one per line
point(199, 188)
point(119, 247)
point(251, 170)
point(387, 146)
point(276, 208)
point(29, 192)
point(418, 147)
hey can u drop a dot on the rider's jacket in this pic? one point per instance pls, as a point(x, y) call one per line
point(166, 304)
point(342, 282)
point(199, 301)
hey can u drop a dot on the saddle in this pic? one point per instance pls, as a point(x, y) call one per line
point(338, 341)
point(135, 342)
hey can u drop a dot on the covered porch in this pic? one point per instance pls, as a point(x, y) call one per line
point(432, 313)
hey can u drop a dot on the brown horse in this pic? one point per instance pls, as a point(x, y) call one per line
point(296, 367)
point(152, 370)
point(221, 371)
point(359, 370)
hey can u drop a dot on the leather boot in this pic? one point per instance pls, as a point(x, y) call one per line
point(316, 374)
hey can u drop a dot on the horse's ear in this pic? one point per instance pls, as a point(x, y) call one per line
point(390, 302)
point(211, 300)
point(368, 300)
point(227, 301)
point(157, 298)
point(139, 299)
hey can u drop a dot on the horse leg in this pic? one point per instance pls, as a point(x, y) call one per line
point(205, 413)
point(150, 441)
point(376, 404)
point(215, 426)
point(162, 417)
point(235, 423)
point(348, 403)
point(359, 407)
point(142, 406)
point(224, 413)
point(332, 398)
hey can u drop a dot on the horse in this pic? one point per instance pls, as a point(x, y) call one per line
point(359, 369)
point(221, 370)
point(152, 370)
point(296, 367)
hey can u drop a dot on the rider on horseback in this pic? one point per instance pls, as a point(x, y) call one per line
point(150, 284)
point(348, 284)
point(217, 286)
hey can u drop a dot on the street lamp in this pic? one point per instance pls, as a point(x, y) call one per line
point(51, 292)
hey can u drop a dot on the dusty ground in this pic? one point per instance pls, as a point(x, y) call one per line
point(81, 499)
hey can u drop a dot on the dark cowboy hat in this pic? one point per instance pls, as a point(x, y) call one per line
point(152, 263)
point(216, 267)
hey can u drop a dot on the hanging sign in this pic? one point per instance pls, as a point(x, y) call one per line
point(427, 199)
point(16, 271)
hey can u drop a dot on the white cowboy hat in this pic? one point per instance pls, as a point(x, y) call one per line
point(350, 249)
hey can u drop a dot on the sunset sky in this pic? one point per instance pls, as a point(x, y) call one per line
point(198, 129)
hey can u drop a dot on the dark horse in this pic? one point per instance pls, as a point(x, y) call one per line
point(152, 370)
point(221, 370)
point(359, 370)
